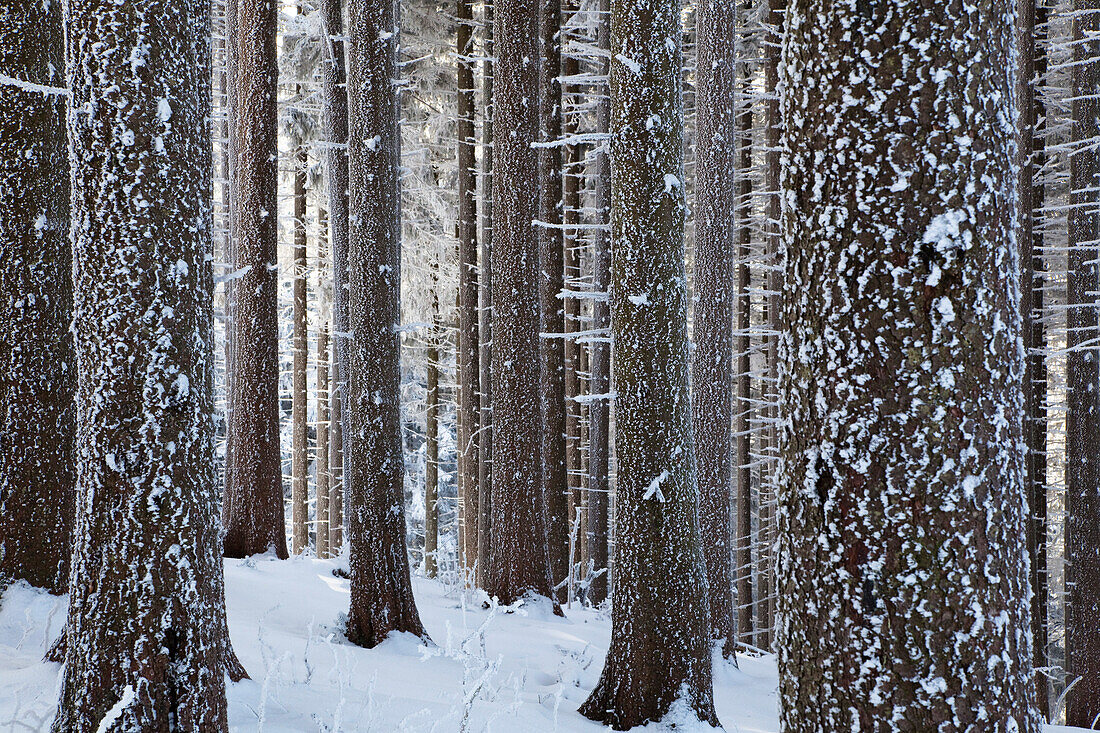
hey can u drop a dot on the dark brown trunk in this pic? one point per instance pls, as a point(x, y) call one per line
point(299, 491)
point(145, 634)
point(323, 401)
point(37, 369)
point(381, 588)
point(253, 511)
point(519, 562)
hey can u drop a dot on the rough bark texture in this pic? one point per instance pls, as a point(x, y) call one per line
point(1032, 62)
point(555, 480)
point(146, 615)
point(902, 513)
point(660, 649)
point(1082, 531)
point(335, 111)
point(518, 559)
point(744, 407)
point(299, 490)
point(599, 411)
point(431, 464)
point(485, 299)
point(324, 396)
point(253, 509)
point(469, 398)
point(381, 589)
point(712, 360)
point(37, 370)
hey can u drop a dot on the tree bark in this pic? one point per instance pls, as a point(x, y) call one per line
point(712, 360)
point(335, 454)
point(485, 299)
point(902, 513)
point(253, 511)
point(381, 587)
point(660, 631)
point(431, 464)
point(1082, 530)
point(599, 428)
point(299, 430)
point(555, 480)
point(1031, 38)
point(335, 112)
point(37, 369)
point(519, 561)
point(324, 397)
point(146, 615)
point(469, 405)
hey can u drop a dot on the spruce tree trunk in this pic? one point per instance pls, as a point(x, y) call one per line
point(145, 634)
point(485, 300)
point(381, 588)
point(1030, 23)
point(431, 464)
point(469, 397)
point(743, 408)
point(712, 361)
point(660, 631)
point(324, 397)
point(902, 514)
point(519, 561)
point(37, 369)
point(1082, 531)
point(599, 412)
point(253, 511)
point(555, 480)
point(335, 112)
point(335, 453)
point(299, 430)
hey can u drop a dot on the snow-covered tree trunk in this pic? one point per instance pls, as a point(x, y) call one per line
point(485, 302)
point(431, 463)
point(599, 370)
point(1082, 531)
point(660, 632)
point(145, 648)
point(299, 500)
point(253, 508)
point(555, 480)
point(519, 561)
point(381, 588)
point(37, 370)
point(712, 360)
point(335, 111)
point(1031, 37)
point(469, 397)
point(903, 599)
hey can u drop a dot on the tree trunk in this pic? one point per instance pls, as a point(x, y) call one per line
point(519, 561)
point(712, 361)
point(555, 480)
point(335, 453)
point(431, 464)
point(744, 409)
point(381, 588)
point(902, 513)
point(146, 614)
point(1031, 21)
point(1082, 377)
point(299, 430)
point(335, 111)
point(469, 405)
point(323, 401)
point(599, 412)
point(37, 371)
point(253, 511)
point(485, 299)
point(660, 631)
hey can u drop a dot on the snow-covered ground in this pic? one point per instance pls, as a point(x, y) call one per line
point(488, 670)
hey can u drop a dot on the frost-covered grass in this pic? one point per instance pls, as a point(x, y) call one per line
point(490, 670)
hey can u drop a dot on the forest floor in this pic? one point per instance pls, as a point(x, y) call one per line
point(516, 671)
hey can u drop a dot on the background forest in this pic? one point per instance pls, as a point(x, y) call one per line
point(746, 350)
